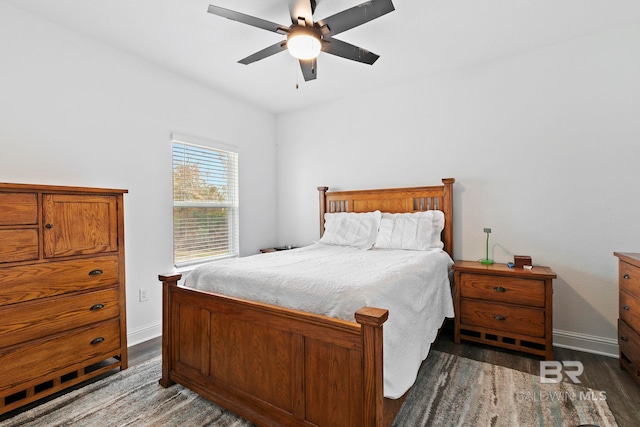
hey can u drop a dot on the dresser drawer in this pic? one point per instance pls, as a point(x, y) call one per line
point(18, 208)
point(18, 245)
point(512, 290)
point(40, 318)
point(630, 310)
point(629, 342)
point(41, 358)
point(629, 278)
point(28, 282)
point(502, 317)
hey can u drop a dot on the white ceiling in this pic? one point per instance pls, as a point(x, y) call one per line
point(419, 38)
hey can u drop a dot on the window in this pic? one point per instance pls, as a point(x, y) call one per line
point(205, 203)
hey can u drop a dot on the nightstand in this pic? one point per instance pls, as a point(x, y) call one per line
point(504, 307)
point(277, 248)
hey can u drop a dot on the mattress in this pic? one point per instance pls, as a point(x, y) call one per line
point(336, 281)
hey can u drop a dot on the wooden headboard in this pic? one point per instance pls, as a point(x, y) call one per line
point(394, 200)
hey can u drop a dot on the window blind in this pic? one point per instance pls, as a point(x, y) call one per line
point(205, 203)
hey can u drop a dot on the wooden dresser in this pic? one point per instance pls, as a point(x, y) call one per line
point(62, 288)
point(504, 307)
point(629, 315)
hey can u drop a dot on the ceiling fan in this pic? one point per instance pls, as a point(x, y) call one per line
point(306, 37)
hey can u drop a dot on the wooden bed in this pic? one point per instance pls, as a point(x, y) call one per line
point(276, 366)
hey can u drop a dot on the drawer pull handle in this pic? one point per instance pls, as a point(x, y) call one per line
point(48, 226)
point(498, 317)
point(626, 276)
point(499, 289)
point(97, 340)
point(626, 308)
point(96, 307)
point(624, 338)
point(95, 272)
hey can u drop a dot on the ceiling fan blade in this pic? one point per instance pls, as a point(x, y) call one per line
point(271, 50)
point(302, 9)
point(357, 15)
point(309, 68)
point(247, 19)
point(349, 51)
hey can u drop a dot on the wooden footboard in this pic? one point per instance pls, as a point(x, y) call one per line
point(272, 365)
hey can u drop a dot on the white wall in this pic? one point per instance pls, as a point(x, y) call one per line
point(544, 147)
point(76, 112)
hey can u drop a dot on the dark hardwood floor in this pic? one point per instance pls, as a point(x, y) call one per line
point(600, 372)
point(137, 354)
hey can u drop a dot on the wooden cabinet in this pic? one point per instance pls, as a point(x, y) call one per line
point(505, 307)
point(62, 289)
point(79, 224)
point(629, 314)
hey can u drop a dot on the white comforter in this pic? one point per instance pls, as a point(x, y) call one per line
point(337, 281)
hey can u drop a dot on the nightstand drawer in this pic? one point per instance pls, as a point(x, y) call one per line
point(629, 279)
point(512, 290)
point(629, 342)
point(630, 310)
point(502, 317)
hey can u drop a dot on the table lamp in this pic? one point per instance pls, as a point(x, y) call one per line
point(486, 260)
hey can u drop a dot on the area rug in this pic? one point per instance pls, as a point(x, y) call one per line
point(449, 391)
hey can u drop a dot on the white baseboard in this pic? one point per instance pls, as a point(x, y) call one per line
point(587, 343)
point(144, 334)
point(563, 339)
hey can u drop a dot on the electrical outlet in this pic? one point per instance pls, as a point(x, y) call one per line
point(144, 295)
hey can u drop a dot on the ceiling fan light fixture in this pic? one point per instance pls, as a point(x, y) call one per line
point(306, 38)
point(303, 44)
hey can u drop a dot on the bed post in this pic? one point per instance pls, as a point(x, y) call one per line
point(323, 207)
point(167, 283)
point(448, 214)
point(371, 320)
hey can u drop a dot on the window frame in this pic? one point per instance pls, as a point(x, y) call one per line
point(232, 204)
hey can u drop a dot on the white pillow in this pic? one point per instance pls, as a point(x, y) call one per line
point(358, 230)
point(415, 231)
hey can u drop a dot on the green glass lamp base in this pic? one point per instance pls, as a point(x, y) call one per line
point(486, 261)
